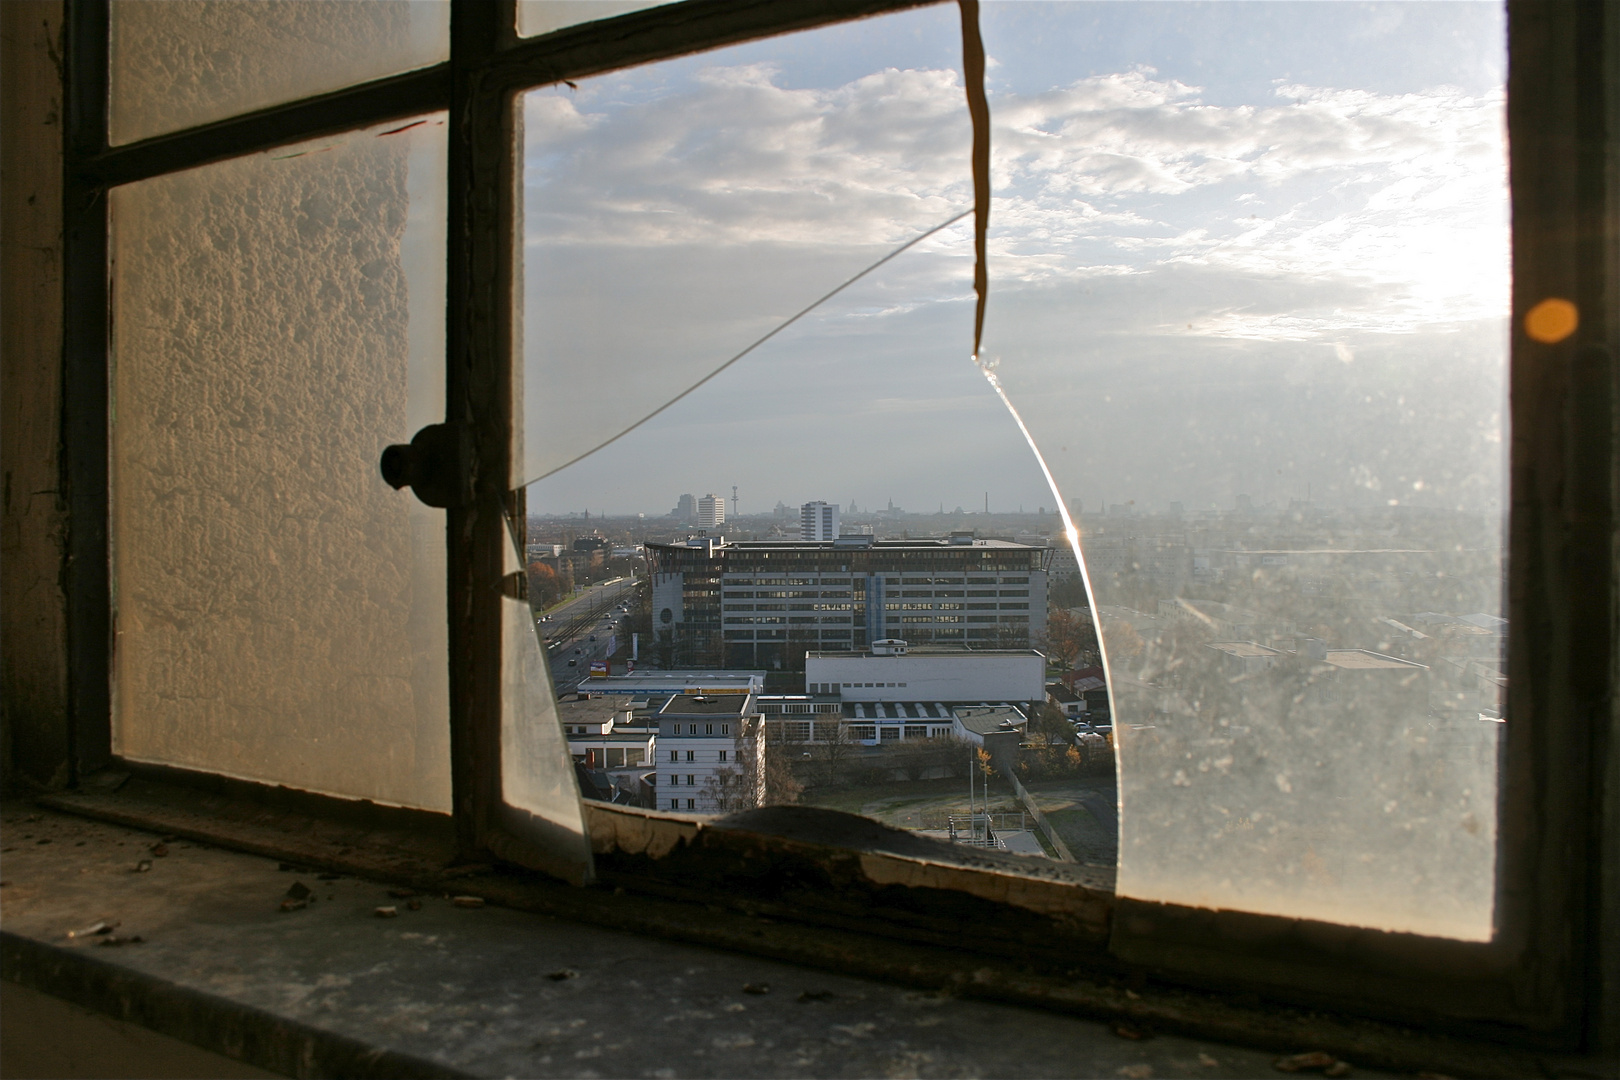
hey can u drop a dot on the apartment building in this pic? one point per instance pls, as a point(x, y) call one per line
point(818, 521)
point(711, 511)
point(710, 753)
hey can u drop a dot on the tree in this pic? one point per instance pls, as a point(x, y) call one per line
point(1065, 637)
point(1068, 592)
point(730, 791)
point(1123, 642)
point(545, 587)
point(831, 755)
point(1047, 722)
point(760, 777)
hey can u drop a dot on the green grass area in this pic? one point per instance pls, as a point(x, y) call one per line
point(902, 804)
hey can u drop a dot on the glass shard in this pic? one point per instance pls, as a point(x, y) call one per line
point(1249, 292)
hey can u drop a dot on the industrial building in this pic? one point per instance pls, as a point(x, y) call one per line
point(765, 603)
point(928, 673)
point(657, 687)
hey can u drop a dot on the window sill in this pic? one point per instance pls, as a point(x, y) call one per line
point(443, 990)
point(873, 907)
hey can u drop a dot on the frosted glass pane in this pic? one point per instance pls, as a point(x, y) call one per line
point(278, 320)
point(543, 16)
point(176, 64)
point(1250, 293)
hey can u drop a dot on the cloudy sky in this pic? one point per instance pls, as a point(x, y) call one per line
point(1235, 247)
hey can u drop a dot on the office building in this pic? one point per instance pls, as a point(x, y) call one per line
point(765, 603)
point(711, 511)
point(818, 521)
point(685, 508)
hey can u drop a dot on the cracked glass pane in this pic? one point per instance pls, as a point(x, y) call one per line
point(175, 64)
point(280, 611)
point(676, 216)
point(682, 221)
point(1249, 292)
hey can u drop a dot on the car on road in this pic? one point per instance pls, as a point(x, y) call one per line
point(593, 637)
point(572, 662)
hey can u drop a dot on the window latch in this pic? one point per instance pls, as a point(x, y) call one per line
point(437, 464)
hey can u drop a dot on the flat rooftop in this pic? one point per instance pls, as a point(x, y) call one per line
point(1362, 660)
point(919, 650)
point(986, 721)
point(911, 711)
point(671, 682)
point(910, 544)
point(590, 710)
point(708, 705)
point(1243, 648)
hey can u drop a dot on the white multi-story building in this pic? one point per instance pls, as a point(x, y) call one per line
point(929, 674)
point(710, 753)
point(818, 521)
point(711, 511)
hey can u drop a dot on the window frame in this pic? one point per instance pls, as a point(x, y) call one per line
point(1551, 977)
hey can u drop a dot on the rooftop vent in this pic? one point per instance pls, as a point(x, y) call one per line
point(889, 647)
point(961, 538)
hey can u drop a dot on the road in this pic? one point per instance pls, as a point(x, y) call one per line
point(592, 614)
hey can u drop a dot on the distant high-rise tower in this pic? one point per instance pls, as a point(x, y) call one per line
point(818, 521)
point(685, 508)
point(711, 511)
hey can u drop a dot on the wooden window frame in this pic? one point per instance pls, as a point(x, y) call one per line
point(1548, 979)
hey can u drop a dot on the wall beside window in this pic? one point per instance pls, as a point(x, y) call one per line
point(34, 744)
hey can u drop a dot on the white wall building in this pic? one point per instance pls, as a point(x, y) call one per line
point(929, 674)
point(818, 521)
point(701, 736)
point(711, 511)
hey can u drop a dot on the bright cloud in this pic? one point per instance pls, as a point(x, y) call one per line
point(1125, 169)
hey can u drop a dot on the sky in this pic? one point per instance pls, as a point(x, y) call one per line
point(1253, 248)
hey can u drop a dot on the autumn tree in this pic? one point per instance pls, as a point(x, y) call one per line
point(545, 586)
point(1123, 642)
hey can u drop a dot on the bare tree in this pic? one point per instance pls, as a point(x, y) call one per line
point(832, 755)
point(759, 777)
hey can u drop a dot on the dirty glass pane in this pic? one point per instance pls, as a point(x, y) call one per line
point(543, 16)
point(1249, 290)
point(176, 64)
point(278, 320)
point(673, 215)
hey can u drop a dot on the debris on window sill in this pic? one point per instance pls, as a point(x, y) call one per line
point(492, 991)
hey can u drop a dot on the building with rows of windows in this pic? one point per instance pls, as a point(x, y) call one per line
point(709, 754)
point(764, 604)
